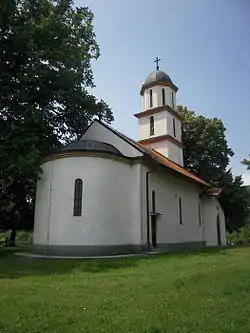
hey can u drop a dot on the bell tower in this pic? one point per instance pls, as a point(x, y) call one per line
point(160, 124)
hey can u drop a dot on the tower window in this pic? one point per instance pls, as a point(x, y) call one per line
point(163, 96)
point(152, 125)
point(172, 99)
point(78, 197)
point(174, 129)
point(150, 98)
point(180, 211)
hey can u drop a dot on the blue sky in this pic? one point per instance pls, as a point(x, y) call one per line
point(204, 46)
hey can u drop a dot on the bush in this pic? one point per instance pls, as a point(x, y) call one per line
point(240, 236)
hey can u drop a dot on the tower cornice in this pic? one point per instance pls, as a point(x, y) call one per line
point(161, 138)
point(153, 84)
point(159, 109)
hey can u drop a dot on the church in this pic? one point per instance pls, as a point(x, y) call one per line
point(107, 194)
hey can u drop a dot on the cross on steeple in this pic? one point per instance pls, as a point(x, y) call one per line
point(157, 60)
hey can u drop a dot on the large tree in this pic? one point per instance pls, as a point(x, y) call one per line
point(207, 154)
point(46, 48)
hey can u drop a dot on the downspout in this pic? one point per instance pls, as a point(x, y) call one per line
point(147, 206)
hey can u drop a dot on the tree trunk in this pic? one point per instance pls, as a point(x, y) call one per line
point(13, 237)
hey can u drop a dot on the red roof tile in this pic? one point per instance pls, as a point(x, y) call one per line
point(161, 158)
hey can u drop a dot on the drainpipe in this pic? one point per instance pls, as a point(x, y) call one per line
point(147, 205)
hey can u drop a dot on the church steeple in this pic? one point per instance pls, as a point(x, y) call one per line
point(159, 122)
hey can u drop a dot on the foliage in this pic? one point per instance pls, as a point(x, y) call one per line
point(207, 154)
point(206, 150)
point(164, 293)
point(247, 163)
point(241, 235)
point(45, 76)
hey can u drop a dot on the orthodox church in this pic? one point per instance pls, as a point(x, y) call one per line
point(107, 194)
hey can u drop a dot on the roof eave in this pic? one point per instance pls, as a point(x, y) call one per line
point(150, 85)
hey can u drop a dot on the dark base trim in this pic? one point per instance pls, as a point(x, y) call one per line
point(109, 250)
point(181, 246)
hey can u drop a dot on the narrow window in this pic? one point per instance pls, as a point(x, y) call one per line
point(172, 99)
point(199, 212)
point(152, 125)
point(153, 201)
point(78, 197)
point(163, 96)
point(174, 130)
point(180, 211)
point(150, 98)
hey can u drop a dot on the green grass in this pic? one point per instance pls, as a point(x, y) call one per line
point(195, 292)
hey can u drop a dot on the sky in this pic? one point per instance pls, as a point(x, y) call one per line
point(205, 49)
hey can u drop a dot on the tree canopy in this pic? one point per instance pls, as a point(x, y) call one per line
point(45, 76)
point(207, 154)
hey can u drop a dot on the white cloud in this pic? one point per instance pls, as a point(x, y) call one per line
point(246, 178)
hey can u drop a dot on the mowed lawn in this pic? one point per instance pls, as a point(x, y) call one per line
point(205, 291)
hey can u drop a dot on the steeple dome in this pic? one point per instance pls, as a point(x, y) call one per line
point(157, 76)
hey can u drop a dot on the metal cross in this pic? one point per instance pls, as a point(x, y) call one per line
point(157, 60)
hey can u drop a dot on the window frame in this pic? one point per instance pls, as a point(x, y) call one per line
point(78, 194)
point(150, 98)
point(180, 211)
point(153, 201)
point(173, 99)
point(174, 127)
point(199, 214)
point(163, 96)
point(152, 125)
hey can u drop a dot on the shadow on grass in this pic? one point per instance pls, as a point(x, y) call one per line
point(12, 266)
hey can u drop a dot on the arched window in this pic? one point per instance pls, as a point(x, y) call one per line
point(78, 197)
point(180, 211)
point(174, 127)
point(150, 98)
point(172, 99)
point(199, 213)
point(153, 201)
point(152, 125)
point(218, 229)
point(163, 96)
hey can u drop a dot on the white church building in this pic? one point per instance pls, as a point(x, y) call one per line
point(107, 194)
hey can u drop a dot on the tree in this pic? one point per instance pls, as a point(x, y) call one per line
point(207, 154)
point(45, 76)
point(206, 151)
point(247, 163)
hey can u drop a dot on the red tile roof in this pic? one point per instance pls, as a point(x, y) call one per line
point(160, 158)
point(174, 166)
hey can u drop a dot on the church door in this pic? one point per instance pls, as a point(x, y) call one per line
point(218, 230)
point(154, 230)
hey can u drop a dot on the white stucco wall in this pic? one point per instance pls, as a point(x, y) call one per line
point(175, 153)
point(163, 124)
point(100, 133)
point(211, 208)
point(42, 207)
point(170, 127)
point(111, 212)
point(160, 125)
point(157, 97)
point(168, 189)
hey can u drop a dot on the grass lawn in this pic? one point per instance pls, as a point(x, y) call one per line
point(201, 292)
